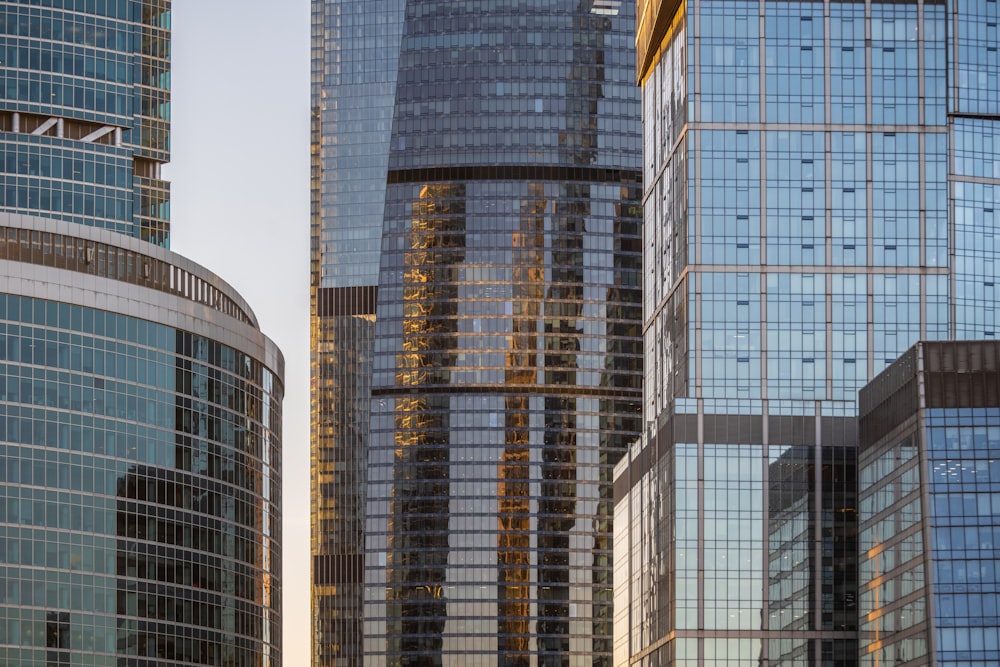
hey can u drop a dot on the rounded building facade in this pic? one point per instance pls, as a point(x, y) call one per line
point(507, 363)
point(140, 459)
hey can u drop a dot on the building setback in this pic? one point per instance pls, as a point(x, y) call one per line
point(820, 183)
point(476, 327)
point(140, 404)
point(928, 472)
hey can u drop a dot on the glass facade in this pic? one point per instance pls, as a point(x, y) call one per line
point(478, 374)
point(929, 527)
point(140, 404)
point(355, 51)
point(818, 195)
point(140, 457)
point(962, 448)
point(85, 113)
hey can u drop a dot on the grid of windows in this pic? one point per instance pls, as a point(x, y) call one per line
point(503, 353)
point(729, 58)
point(683, 482)
point(934, 44)
point(976, 214)
point(848, 199)
point(813, 198)
point(849, 344)
point(975, 183)
point(891, 544)
point(976, 65)
point(928, 478)
point(848, 75)
point(895, 74)
point(521, 376)
point(53, 177)
point(796, 198)
point(796, 341)
point(730, 341)
point(507, 360)
point(977, 148)
point(896, 220)
point(103, 66)
point(139, 492)
point(816, 227)
point(732, 542)
point(795, 62)
point(666, 249)
point(730, 164)
point(721, 538)
point(140, 484)
point(92, 47)
point(354, 69)
point(963, 456)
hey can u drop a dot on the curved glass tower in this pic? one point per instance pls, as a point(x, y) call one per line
point(140, 471)
point(477, 344)
point(140, 404)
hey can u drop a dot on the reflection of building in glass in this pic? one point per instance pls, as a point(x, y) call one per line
point(929, 524)
point(200, 564)
point(140, 416)
point(354, 65)
point(820, 183)
point(140, 405)
point(420, 499)
point(794, 502)
point(718, 537)
point(476, 355)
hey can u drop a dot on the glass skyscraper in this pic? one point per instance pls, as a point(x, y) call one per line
point(86, 113)
point(928, 471)
point(819, 186)
point(476, 327)
point(140, 404)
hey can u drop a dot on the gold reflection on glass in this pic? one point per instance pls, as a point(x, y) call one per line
point(514, 521)
point(557, 504)
point(418, 529)
point(342, 346)
point(655, 22)
point(342, 335)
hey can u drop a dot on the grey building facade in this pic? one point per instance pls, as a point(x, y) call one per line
point(140, 404)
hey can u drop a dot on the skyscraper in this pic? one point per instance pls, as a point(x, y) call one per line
point(929, 435)
point(140, 404)
point(476, 341)
point(819, 188)
point(86, 114)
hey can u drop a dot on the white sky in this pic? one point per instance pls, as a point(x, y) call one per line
point(240, 207)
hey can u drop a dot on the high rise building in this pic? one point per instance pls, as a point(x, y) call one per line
point(820, 183)
point(927, 472)
point(476, 327)
point(86, 113)
point(140, 404)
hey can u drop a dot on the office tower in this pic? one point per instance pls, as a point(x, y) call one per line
point(355, 49)
point(86, 114)
point(927, 470)
point(476, 346)
point(819, 193)
point(140, 404)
